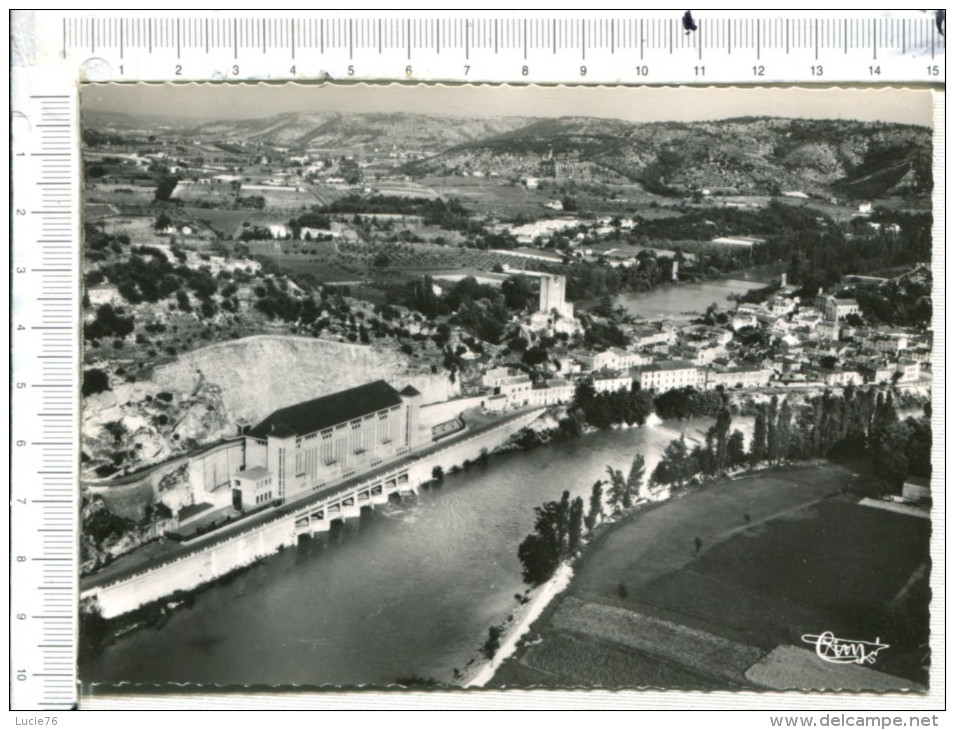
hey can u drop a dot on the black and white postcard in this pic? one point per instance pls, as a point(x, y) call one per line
point(461, 387)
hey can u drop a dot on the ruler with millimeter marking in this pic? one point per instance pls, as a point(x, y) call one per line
point(551, 47)
point(44, 398)
point(59, 49)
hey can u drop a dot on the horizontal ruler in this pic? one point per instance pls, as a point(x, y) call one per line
point(653, 48)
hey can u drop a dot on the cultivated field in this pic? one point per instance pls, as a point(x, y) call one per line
point(125, 194)
point(807, 560)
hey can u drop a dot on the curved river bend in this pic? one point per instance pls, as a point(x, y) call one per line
point(410, 592)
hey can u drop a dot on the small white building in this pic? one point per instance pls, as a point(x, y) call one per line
point(892, 344)
point(827, 330)
point(908, 370)
point(597, 360)
point(668, 375)
point(567, 365)
point(627, 359)
point(835, 309)
point(839, 377)
point(878, 373)
point(741, 376)
point(742, 320)
point(495, 376)
point(648, 337)
point(517, 390)
point(780, 306)
point(254, 487)
point(496, 404)
point(917, 489)
point(738, 241)
point(551, 392)
point(612, 382)
point(278, 230)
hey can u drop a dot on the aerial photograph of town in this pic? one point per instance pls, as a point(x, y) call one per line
point(495, 387)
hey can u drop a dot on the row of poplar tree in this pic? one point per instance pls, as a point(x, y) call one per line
point(857, 422)
point(559, 526)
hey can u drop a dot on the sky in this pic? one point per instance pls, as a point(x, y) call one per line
point(636, 104)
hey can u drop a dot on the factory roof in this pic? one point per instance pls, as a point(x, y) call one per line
point(327, 411)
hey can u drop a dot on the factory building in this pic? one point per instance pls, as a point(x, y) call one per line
point(313, 444)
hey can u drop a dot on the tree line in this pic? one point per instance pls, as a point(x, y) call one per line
point(858, 422)
point(559, 527)
point(604, 410)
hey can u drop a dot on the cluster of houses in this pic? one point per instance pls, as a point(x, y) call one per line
point(826, 342)
point(783, 341)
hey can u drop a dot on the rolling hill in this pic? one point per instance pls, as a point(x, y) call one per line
point(749, 156)
point(360, 132)
point(746, 156)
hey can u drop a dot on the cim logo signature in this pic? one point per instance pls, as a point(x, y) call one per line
point(844, 651)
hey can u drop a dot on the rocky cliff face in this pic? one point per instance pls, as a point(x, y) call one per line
point(257, 375)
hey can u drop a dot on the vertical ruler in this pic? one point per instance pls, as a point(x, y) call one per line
point(44, 397)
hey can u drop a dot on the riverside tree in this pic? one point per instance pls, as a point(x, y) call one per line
point(736, 449)
point(563, 521)
point(674, 467)
point(617, 493)
point(784, 430)
point(719, 432)
point(596, 505)
point(772, 431)
point(635, 478)
point(575, 528)
point(757, 449)
point(539, 553)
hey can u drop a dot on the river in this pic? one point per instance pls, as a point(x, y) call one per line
point(679, 300)
point(409, 591)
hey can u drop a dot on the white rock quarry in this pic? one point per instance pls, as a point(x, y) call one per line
point(211, 388)
point(257, 375)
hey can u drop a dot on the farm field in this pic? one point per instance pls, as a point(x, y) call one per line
point(285, 201)
point(507, 200)
point(587, 663)
point(139, 229)
point(808, 560)
point(403, 188)
point(225, 222)
point(323, 266)
point(353, 260)
point(119, 194)
point(484, 196)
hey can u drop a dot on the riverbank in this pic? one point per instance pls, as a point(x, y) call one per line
point(376, 607)
point(518, 624)
point(694, 592)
